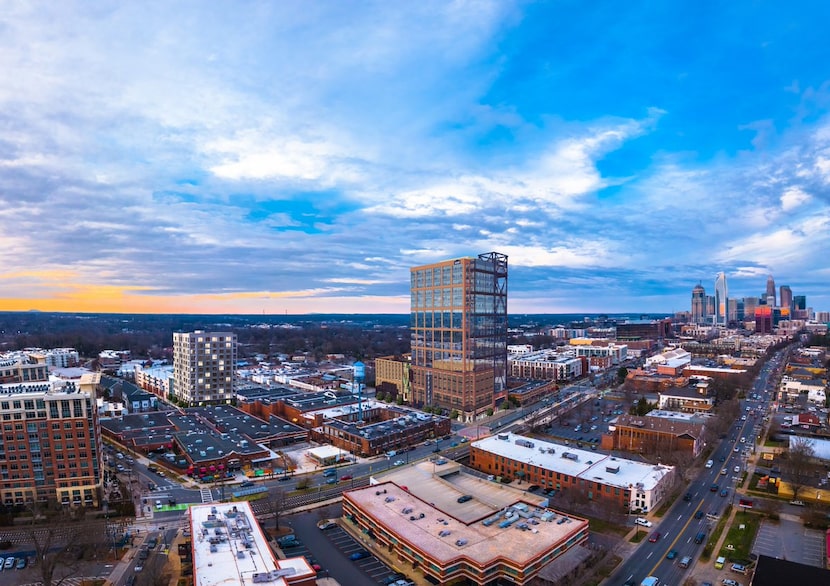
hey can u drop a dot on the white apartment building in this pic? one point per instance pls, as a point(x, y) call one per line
point(204, 365)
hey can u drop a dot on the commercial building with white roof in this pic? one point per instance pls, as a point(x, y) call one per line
point(229, 549)
point(634, 486)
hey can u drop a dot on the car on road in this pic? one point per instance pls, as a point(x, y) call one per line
point(699, 515)
point(737, 469)
point(654, 537)
point(330, 472)
point(724, 492)
point(672, 554)
point(138, 567)
point(714, 488)
point(398, 463)
point(247, 484)
point(346, 477)
point(331, 480)
point(158, 504)
point(359, 555)
point(687, 497)
point(797, 503)
point(723, 471)
point(730, 582)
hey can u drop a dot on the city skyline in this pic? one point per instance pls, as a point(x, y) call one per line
point(300, 157)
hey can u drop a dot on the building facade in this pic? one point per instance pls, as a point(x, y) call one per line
point(698, 304)
point(50, 446)
point(631, 486)
point(204, 365)
point(459, 334)
point(392, 377)
point(721, 299)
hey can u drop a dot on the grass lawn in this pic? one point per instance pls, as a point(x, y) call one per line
point(741, 539)
point(638, 536)
point(706, 554)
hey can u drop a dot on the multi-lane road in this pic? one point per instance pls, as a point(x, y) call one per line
point(710, 492)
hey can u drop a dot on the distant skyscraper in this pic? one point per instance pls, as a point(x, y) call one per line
point(698, 304)
point(785, 301)
point(750, 303)
point(763, 319)
point(770, 291)
point(459, 333)
point(204, 366)
point(721, 299)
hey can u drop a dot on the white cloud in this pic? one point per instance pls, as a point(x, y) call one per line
point(793, 198)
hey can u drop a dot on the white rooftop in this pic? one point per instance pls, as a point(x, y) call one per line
point(229, 549)
point(584, 464)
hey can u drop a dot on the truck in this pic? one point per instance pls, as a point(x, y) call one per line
point(650, 581)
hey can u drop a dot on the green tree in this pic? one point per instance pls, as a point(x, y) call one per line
point(622, 373)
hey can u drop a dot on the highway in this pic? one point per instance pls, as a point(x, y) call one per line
point(679, 526)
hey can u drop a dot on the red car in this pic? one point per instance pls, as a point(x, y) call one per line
point(654, 537)
point(346, 477)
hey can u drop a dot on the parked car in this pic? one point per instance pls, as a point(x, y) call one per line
point(326, 524)
point(247, 484)
point(359, 555)
point(465, 498)
point(9, 563)
point(642, 522)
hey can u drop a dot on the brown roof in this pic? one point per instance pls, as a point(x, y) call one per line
point(661, 424)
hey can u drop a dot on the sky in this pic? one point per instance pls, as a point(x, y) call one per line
point(299, 157)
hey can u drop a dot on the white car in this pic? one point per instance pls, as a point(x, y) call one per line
point(643, 522)
point(737, 469)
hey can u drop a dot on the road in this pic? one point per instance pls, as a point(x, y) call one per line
point(679, 526)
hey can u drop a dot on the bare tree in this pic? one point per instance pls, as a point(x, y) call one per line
point(61, 544)
point(275, 504)
point(799, 458)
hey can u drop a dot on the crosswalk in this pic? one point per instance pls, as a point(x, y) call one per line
point(207, 495)
point(79, 581)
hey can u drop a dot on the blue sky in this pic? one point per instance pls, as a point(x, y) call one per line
point(301, 156)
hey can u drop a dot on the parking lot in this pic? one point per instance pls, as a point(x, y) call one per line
point(789, 540)
point(371, 565)
point(584, 425)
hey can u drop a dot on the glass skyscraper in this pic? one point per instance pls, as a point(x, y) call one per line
point(458, 325)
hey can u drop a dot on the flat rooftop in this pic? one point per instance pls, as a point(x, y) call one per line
point(437, 529)
point(229, 549)
point(584, 464)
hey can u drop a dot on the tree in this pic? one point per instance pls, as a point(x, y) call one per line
point(275, 504)
point(799, 458)
point(489, 412)
point(622, 373)
point(61, 544)
point(454, 414)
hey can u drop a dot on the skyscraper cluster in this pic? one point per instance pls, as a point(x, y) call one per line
point(766, 309)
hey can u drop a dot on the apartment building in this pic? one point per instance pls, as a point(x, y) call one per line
point(50, 444)
point(204, 366)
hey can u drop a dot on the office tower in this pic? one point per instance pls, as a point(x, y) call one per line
point(770, 293)
point(785, 301)
point(740, 310)
point(800, 302)
point(51, 443)
point(698, 304)
point(204, 365)
point(763, 319)
point(721, 300)
point(800, 307)
point(731, 310)
point(710, 307)
point(459, 333)
point(750, 303)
